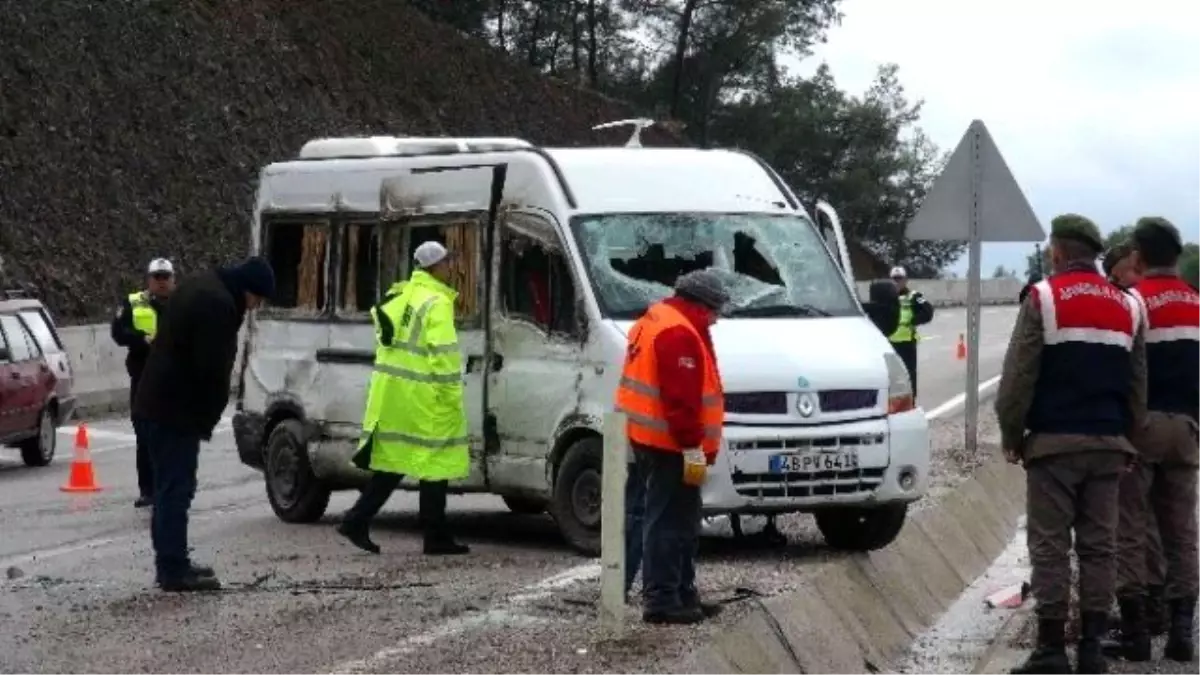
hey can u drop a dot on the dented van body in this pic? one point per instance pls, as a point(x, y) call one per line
point(556, 253)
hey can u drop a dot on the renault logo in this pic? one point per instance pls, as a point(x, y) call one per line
point(806, 405)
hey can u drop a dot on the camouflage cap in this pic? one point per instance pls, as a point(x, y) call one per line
point(1156, 225)
point(1076, 227)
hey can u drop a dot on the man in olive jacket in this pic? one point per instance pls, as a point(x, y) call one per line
point(183, 391)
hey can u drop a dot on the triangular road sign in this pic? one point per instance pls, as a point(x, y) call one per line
point(948, 209)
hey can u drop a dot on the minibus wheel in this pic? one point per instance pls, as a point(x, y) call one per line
point(575, 505)
point(295, 492)
point(861, 529)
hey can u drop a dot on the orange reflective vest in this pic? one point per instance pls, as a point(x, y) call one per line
point(638, 394)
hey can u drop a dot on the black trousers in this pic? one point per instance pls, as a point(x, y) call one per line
point(671, 532)
point(145, 468)
point(176, 456)
point(907, 351)
point(381, 486)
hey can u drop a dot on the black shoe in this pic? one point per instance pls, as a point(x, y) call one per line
point(1050, 656)
point(358, 536)
point(142, 502)
point(445, 546)
point(1135, 641)
point(677, 617)
point(203, 571)
point(1090, 658)
point(190, 583)
point(1157, 619)
point(1180, 644)
point(708, 609)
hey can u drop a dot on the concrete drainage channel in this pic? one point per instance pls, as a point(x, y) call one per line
point(862, 612)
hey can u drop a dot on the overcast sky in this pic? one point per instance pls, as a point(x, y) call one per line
point(1094, 105)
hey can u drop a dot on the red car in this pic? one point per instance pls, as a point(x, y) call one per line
point(35, 379)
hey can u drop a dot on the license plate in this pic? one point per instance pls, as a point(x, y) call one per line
point(808, 462)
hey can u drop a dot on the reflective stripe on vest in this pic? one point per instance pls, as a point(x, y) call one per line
point(639, 396)
point(145, 318)
point(905, 331)
point(1172, 313)
point(408, 358)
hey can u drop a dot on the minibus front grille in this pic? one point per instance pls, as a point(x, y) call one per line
point(808, 484)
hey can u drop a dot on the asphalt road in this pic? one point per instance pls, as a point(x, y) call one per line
point(76, 592)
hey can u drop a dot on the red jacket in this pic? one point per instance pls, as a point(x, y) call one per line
point(681, 373)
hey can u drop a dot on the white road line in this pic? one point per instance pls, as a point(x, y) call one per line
point(224, 425)
point(958, 400)
point(507, 613)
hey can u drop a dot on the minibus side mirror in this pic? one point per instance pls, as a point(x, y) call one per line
point(883, 306)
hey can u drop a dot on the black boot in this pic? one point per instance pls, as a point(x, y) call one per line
point(1156, 611)
point(433, 521)
point(357, 534)
point(1180, 646)
point(1050, 655)
point(1090, 659)
point(1135, 640)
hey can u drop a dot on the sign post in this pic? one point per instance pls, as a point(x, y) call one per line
point(612, 525)
point(975, 199)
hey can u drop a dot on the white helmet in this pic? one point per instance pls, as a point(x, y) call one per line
point(898, 273)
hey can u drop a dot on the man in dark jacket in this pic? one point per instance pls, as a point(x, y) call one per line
point(134, 328)
point(184, 390)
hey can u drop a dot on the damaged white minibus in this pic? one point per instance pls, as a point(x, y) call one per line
point(558, 251)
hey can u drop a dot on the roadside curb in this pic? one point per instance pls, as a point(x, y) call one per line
point(860, 613)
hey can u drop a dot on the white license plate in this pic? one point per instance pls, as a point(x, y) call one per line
point(807, 462)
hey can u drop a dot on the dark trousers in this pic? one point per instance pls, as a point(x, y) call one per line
point(1140, 560)
point(671, 533)
point(1073, 492)
point(145, 468)
point(175, 455)
point(907, 351)
point(635, 514)
point(381, 486)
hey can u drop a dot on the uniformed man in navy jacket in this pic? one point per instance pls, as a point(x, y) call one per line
point(1073, 388)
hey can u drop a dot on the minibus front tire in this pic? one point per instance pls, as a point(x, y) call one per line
point(295, 492)
point(575, 504)
point(851, 528)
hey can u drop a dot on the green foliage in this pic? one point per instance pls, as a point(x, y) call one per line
point(714, 66)
point(1189, 264)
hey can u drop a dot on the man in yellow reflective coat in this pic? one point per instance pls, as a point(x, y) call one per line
point(415, 424)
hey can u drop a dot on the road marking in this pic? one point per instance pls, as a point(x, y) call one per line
point(224, 425)
point(507, 612)
point(958, 400)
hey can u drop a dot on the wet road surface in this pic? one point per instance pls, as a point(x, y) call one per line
point(76, 587)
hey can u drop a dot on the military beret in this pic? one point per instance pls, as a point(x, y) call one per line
point(1077, 227)
point(1155, 226)
point(1115, 255)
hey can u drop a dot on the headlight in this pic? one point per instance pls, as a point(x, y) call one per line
point(900, 393)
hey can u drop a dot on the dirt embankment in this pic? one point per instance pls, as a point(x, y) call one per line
point(131, 129)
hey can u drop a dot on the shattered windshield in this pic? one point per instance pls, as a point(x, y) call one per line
point(773, 265)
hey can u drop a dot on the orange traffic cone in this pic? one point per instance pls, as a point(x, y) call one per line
point(960, 352)
point(82, 478)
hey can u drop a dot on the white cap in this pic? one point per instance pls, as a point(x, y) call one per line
point(429, 254)
point(160, 266)
point(898, 273)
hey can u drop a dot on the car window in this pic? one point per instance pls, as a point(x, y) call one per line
point(18, 345)
point(4, 356)
point(41, 331)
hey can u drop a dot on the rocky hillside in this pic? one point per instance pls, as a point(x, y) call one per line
point(135, 128)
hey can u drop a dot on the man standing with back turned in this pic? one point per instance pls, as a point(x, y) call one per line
point(1169, 439)
point(1074, 378)
point(134, 328)
point(671, 394)
point(415, 424)
point(183, 392)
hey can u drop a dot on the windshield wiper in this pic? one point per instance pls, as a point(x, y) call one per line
point(777, 310)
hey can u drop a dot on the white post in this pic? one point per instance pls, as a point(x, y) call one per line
point(612, 525)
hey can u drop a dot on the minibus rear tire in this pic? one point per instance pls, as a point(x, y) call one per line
point(307, 497)
point(578, 481)
point(852, 528)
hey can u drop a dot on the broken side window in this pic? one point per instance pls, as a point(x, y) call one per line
point(460, 236)
point(359, 268)
point(298, 254)
point(536, 283)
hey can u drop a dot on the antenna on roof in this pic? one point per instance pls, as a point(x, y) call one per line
point(639, 123)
